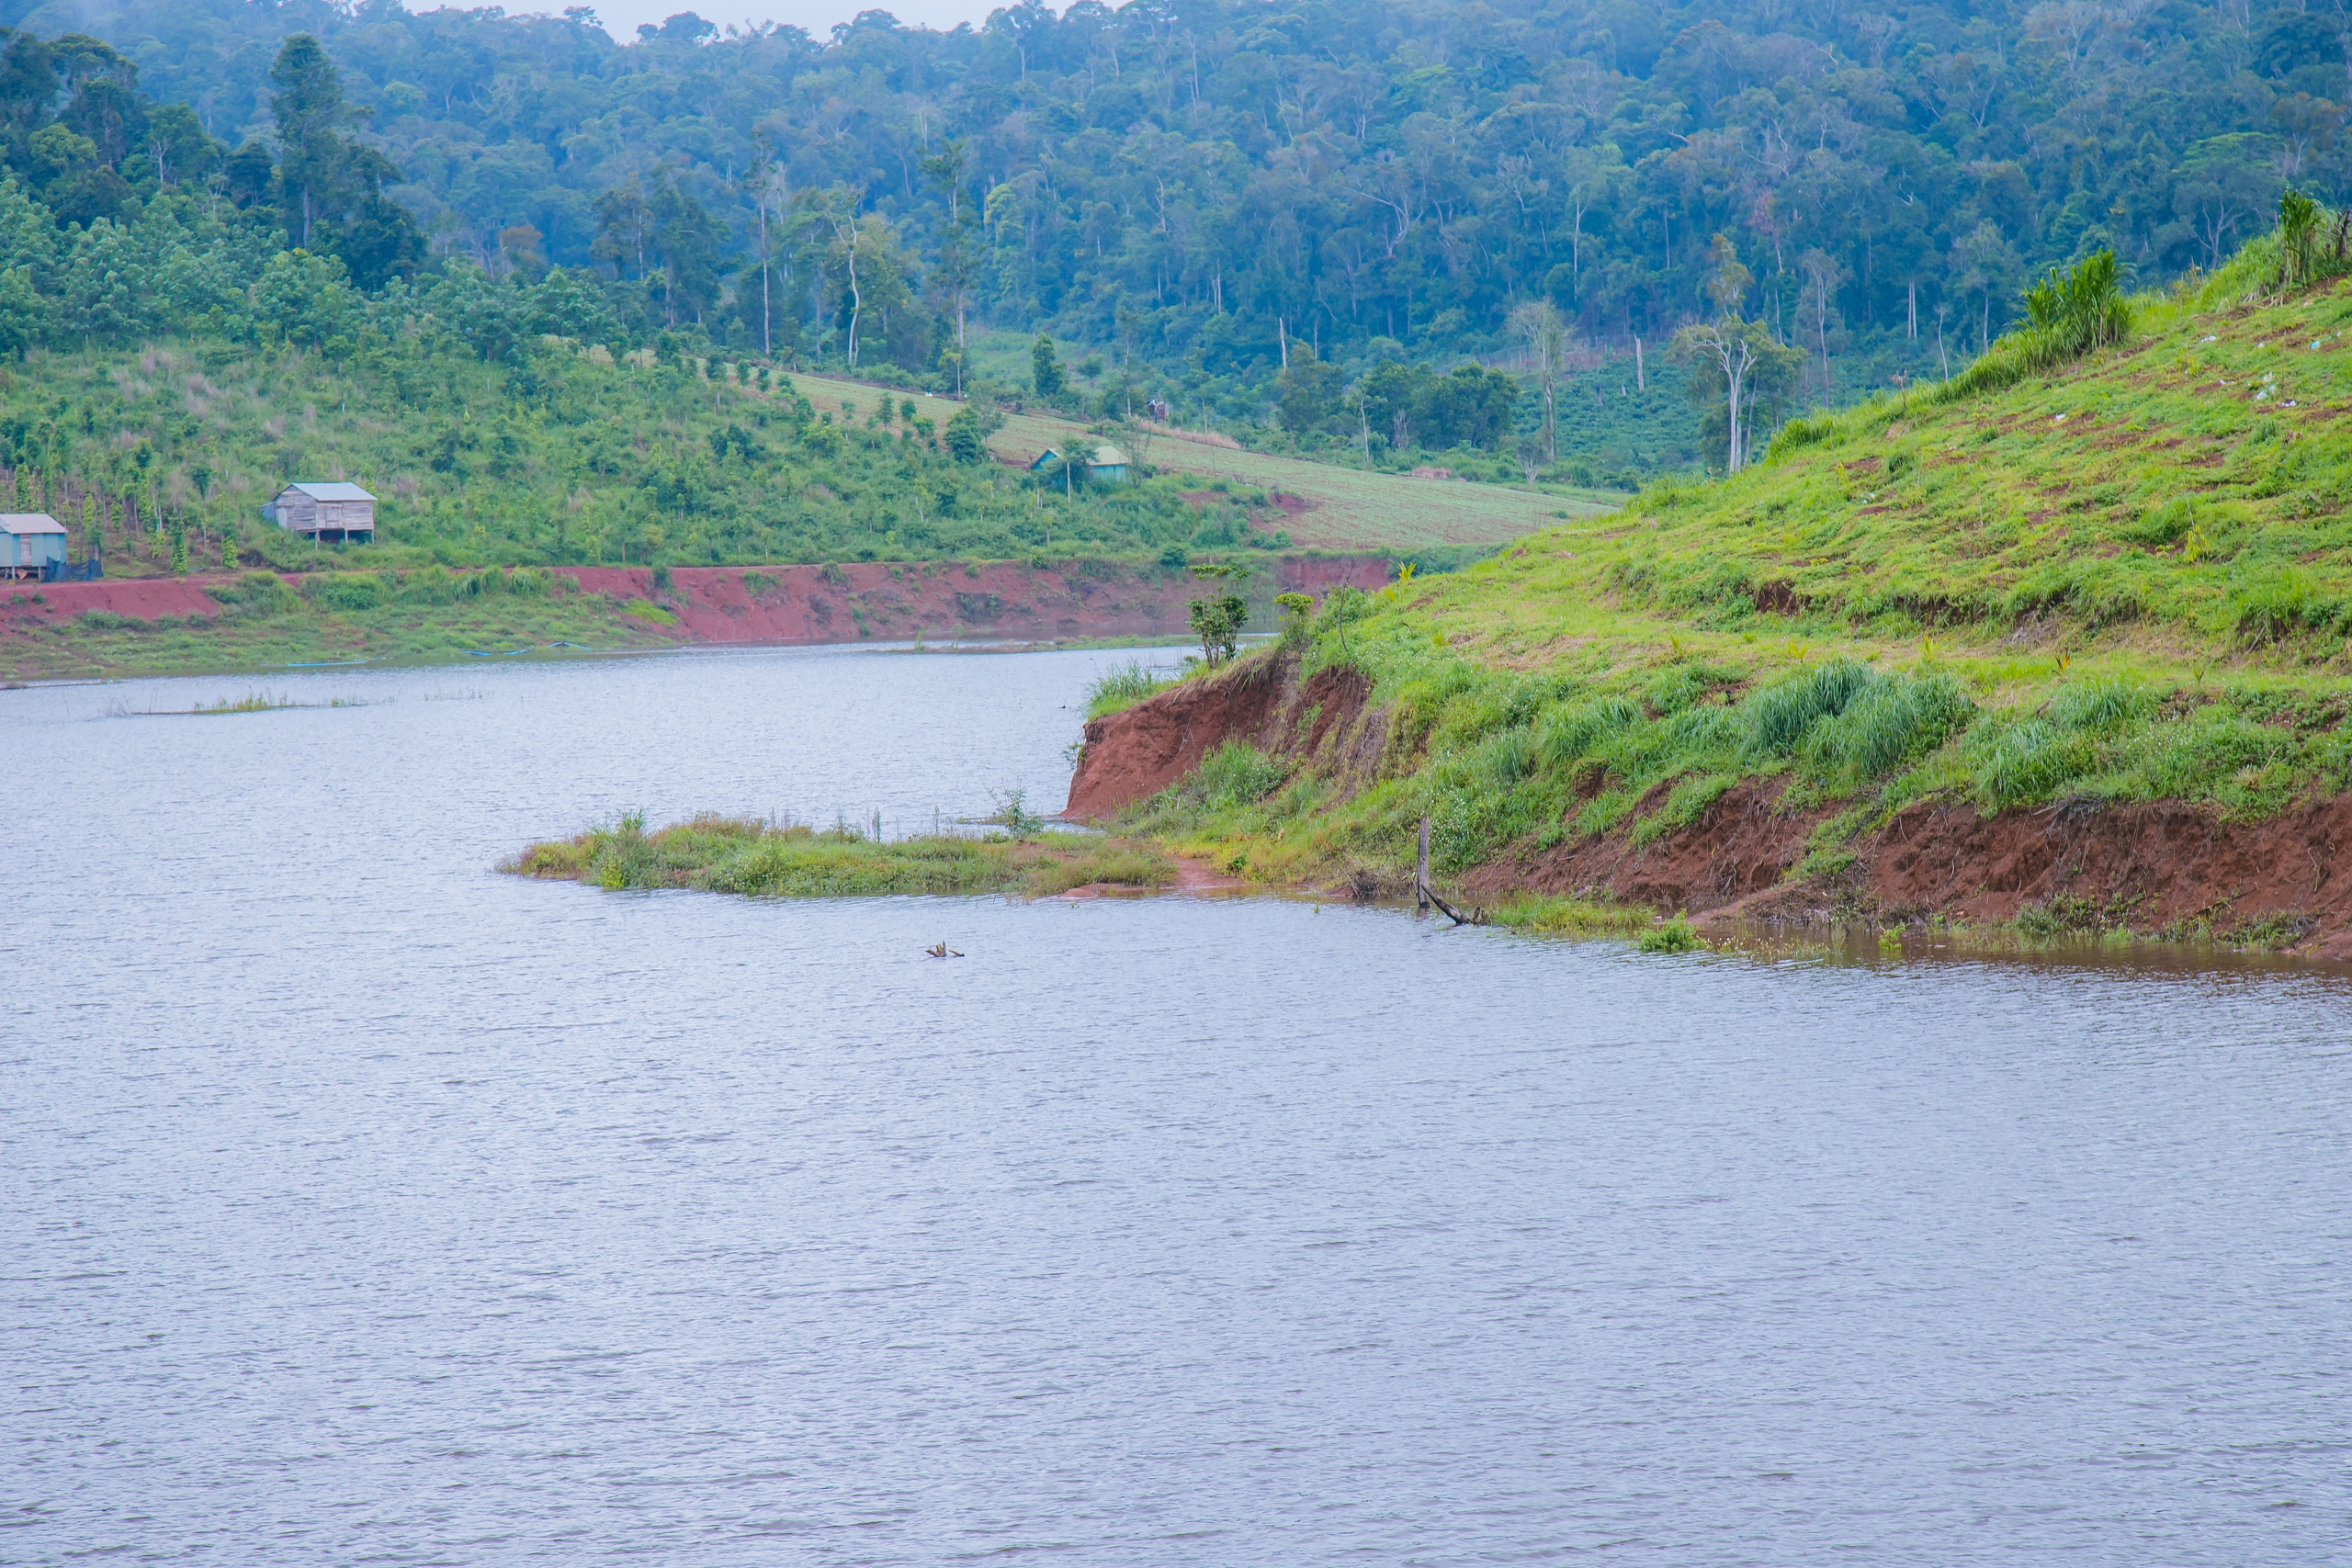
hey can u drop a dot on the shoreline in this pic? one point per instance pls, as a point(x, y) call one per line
point(1748, 868)
point(260, 622)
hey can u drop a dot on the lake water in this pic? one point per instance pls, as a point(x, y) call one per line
point(362, 1205)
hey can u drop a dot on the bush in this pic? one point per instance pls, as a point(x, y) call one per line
point(1235, 773)
point(1674, 936)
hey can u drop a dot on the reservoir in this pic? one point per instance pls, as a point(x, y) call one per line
point(361, 1204)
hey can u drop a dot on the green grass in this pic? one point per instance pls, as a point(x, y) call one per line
point(555, 455)
point(1125, 687)
point(1570, 917)
point(2109, 581)
point(743, 856)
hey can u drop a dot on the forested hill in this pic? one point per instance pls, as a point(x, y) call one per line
point(1198, 178)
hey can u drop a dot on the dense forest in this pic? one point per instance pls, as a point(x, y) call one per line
point(1203, 193)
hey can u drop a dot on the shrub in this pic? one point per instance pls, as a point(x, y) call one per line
point(1674, 936)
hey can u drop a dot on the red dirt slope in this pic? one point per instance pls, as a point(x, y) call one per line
point(2148, 867)
point(815, 604)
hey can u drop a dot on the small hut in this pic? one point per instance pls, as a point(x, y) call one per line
point(333, 513)
point(32, 544)
point(1107, 467)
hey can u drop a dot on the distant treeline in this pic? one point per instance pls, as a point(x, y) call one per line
point(1190, 186)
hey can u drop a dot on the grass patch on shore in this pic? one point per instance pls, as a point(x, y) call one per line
point(746, 855)
point(2124, 579)
point(1118, 690)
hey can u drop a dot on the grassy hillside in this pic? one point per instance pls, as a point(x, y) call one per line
point(559, 456)
point(2127, 580)
point(1244, 497)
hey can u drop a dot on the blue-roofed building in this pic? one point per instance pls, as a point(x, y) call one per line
point(32, 544)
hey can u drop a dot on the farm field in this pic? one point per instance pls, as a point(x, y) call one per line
point(1327, 507)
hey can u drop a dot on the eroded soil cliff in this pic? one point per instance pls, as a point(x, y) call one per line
point(2157, 868)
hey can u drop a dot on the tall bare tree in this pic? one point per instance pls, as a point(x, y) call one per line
point(1539, 324)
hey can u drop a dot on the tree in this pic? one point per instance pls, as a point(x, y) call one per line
point(1218, 622)
point(1539, 324)
point(1821, 277)
point(686, 241)
point(1308, 392)
point(1987, 266)
point(623, 225)
point(948, 169)
point(1044, 370)
point(307, 98)
point(179, 147)
point(377, 239)
point(967, 439)
point(765, 183)
point(834, 212)
point(1729, 282)
point(1731, 357)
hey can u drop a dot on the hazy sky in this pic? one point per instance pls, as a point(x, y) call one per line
point(621, 17)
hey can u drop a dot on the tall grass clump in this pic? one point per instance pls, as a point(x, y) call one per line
point(1116, 690)
point(1778, 716)
point(1236, 774)
point(2313, 244)
point(2025, 762)
point(1894, 721)
point(2068, 314)
point(2100, 706)
point(2270, 605)
point(1571, 733)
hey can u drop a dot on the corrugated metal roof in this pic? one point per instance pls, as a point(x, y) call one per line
point(1109, 458)
point(29, 523)
point(323, 489)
